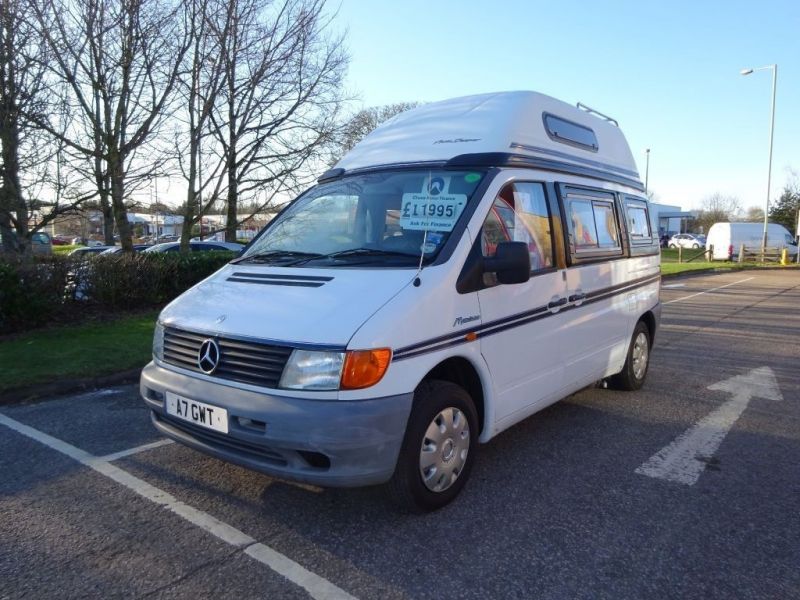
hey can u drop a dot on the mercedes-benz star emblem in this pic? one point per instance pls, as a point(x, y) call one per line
point(208, 356)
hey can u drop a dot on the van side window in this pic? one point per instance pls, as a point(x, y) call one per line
point(606, 223)
point(520, 214)
point(594, 225)
point(638, 221)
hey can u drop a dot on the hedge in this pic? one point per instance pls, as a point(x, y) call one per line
point(51, 288)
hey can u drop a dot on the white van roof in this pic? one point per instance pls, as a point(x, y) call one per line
point(527, 125)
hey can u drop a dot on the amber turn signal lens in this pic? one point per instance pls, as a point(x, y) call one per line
point(363, 368)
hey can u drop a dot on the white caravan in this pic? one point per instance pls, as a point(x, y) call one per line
point(467, 264)
point(727, 238)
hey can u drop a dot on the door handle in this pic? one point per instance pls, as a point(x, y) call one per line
point(556, 303)
point(579, 297)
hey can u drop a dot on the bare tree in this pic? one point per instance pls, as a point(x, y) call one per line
point(282, 95)
point(199, 86)
point(120, 59)
point(717, 208)
point(361, 124)
point(21, 60)
point(754, 214)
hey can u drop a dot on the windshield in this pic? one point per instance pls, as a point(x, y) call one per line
point(389, 218)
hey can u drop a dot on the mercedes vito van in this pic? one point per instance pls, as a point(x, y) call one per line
point(467, 264)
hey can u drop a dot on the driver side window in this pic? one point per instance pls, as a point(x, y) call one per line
point(520, 214)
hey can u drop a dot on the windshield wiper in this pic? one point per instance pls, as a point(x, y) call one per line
point(351, 252)
point(366, 252)
point(277, 255)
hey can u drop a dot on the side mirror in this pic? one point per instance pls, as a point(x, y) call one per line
point(511, 262)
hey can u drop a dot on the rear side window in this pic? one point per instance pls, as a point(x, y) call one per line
point(593, 225)
point(638, 221)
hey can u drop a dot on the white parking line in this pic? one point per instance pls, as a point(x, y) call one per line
point(316, 586)
point(136, 450)
point(708, 291)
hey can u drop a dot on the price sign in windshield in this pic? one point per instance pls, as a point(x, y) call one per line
point(435, 213)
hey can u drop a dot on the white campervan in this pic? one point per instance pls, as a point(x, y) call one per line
point(728, 238)
point(467, 264)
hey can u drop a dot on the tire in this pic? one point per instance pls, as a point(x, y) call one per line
point(449, 459)
point(696, 246)
point(672, 246)
point(634, 373)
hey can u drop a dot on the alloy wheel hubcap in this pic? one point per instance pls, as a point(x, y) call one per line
point(444, 449)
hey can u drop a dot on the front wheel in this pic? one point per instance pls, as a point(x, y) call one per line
point(672, 246)
point(438, 448)
point(696, 246)
point(638, 360)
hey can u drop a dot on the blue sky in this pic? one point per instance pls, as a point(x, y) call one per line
point(667, 71)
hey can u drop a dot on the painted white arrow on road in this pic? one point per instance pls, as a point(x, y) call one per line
point(685, 459)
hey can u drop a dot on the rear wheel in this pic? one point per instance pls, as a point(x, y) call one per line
point(696, 246)
point(634, 372)
point(438, 449)
point(672, 246)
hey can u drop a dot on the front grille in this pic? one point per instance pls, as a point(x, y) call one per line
point(221, 441)
point(243, 361)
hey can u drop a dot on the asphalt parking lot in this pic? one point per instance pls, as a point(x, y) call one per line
point(675, 491)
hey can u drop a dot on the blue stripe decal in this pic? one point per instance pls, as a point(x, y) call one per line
point(486, 329)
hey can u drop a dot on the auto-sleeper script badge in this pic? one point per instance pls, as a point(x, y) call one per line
point(464, 320)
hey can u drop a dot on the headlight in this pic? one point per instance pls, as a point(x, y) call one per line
point(351, 370)
point(313, 370)
point(158, 342)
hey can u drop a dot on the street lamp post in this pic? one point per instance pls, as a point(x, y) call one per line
point(771, 136)
point(647, 171)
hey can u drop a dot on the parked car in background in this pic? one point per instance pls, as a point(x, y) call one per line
point(61, 240)
point(88, 251)
point(118, 249)
point(41, 244)
point(687, 240)
point(728, 238)
point(196, 247)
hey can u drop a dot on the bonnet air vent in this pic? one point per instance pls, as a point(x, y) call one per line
point(288, 280)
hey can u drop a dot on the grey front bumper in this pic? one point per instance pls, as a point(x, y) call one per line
point(323, 442)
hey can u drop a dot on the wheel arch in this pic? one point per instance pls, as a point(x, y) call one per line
point(649, 319)
point(461, 371)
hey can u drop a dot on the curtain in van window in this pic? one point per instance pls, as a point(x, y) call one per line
point(607, 234)
point(582, 217)
point(594, 224)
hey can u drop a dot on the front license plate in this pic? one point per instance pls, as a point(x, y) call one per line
point(199, 413)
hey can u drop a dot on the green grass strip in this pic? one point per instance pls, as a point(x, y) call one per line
point(76, 351)
point(65, 249)
point(670, 268)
